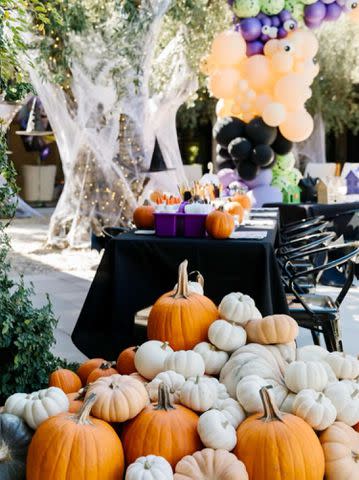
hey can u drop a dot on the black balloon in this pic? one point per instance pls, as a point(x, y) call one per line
point(259, 133)
point(281, 145)
point(248, 170)
point(223, 152)
point(262, 155)
point(226, 129)
point(240, 149)
point(224, 163)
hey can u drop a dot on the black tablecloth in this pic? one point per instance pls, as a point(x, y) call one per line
point(136, 270)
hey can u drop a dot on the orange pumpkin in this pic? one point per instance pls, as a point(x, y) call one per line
point(87, 367)
point(143, 217)
point(181, 317)
point(65, 379)
point(243, 199)
point(166, 430)
point(104, 370)
point(235, 208)
point(76, 400)
point(286, 445)
point(126, 361)
point(75, 446)
point(219, 224)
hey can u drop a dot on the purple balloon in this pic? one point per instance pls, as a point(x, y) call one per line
point(264, 178)
point(315, 12)
point(265, 194)
point(285, 15)
point(254, 48)
point(266, 21)
point(313, 25)
point(327, 2)
point(251, 29)
point(333, 12)
point(227, 176)
point(282, 33)
point(265, 38)
point(261, 15)
point(275, 21)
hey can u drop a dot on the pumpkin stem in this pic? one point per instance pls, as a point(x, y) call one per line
point(5, 454)
point(82, 393)
point(355, 393)
point(165, 345)
point(355, 456)
point(271, 411)
point(197, 380)
point(182, 285)
point(82, 418)
point(320, 397)
point(199, 277)
point(107, 365)
point(164, 400)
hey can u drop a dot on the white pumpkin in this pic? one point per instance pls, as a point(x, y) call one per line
point(216, 431)
point(315, 408)
point(239, 308)
point(232, 410)
point(194, 287)
point(302, 375)
point(198, 394)
point(186, 362)
point(150, 358)
point(311, 353)
point(37, 407)
point(287, 404)
point(269, 353)
point(213, 358)
point(173, 380)
point(286, 351)
point(149, 468)
point(248, 393)
point(222, 393)
point(345, 367)
point(227, 336)
point(345, 398)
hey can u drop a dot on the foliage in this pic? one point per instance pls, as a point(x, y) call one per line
point(335, 90)
point(199, 112)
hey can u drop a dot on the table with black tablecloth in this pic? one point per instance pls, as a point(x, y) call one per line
point(136, 270)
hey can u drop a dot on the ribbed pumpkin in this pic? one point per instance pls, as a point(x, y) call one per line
point(106, 369)
point(180, 317)
point(75, 447)
point(125, 364)
point(165, 430)
point(235, 208)
point(143, 217)
point(87, 367)
point(272, 330)
point(65, 379)
point(278, 446)
point(243, 199)
point(219, 224)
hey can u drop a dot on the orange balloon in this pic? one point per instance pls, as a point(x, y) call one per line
point(256, 70)
point(224, 108)
point(308, 69)
point(291, 91)
point(261, 102)
point(271, 47)
point(229, 48)
point(223, 83)
point(305, 43)
point(274, 114)
point(298, 126)
point(282, 62)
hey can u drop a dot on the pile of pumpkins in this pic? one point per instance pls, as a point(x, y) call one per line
point(214, 394)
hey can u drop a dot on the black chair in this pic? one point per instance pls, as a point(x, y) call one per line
point(301, 225)
point(320, 313)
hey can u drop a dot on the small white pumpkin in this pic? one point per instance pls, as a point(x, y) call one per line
point(198, 394)
point(311, 353)
point(287, 404)
point(186, 362)
point(149, 468)
point(345, 367)
point(227, 336)
point(213, 358)
point(216, 431)
point(195, 287)
point(287, 351)
point(315, 408)
point(150, 358)
point(301, 375)
point(345, 398)
point(37, 407)
point(232, 410)
point(173, 380)
point(248, 393)
point(238, 308)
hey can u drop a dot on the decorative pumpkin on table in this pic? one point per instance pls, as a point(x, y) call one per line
point(106, 369)
point(87, 367)
point(75, 447)
point(235, 209)
point(227, 336)
point(15, 438)
point(150, 358)
point(165, 429)
point(219, 224)
point(278, 446)
point(143, 217)
point(272, 330)
point(186, 362)
point(315, 408)
point(303, 375)
point(243, 200)
point(238, 308)
point(125, 364)
point(216, 431)
point(149, 468)
point(65, 379)
point(180, 317)
point(174, 382)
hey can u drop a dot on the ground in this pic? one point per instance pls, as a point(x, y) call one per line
point(66, 276)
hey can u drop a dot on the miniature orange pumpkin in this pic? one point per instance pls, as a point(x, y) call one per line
point(180, 317)
point(65, 379)
point(143, 217)
point(272, 329)
point(219, 224)
point(77, 447)
point(126, 361)
point(286, 445)
point(244, 200)
point(87, 367)
point(166, 430)
point(104, 370)
point(235, 208)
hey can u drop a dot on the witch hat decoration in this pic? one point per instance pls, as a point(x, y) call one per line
point(158, 163)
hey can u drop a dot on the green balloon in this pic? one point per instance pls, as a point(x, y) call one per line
point(308, 2)
point(296, 8)
point(272, 7)
point(286, 162)
point(246, 8)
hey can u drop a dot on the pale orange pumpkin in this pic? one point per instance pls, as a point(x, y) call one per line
point(278, 446)
point(75, 447)
point(272, 329)
point(143, 217)
point(87, 367)
point(104, 370)
point(68, 381)
point(125, 364)
point(235, 209)
point(219, 224)
point(118, 398)
point(243, 199)
point(181, 317)
point(165, 430)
